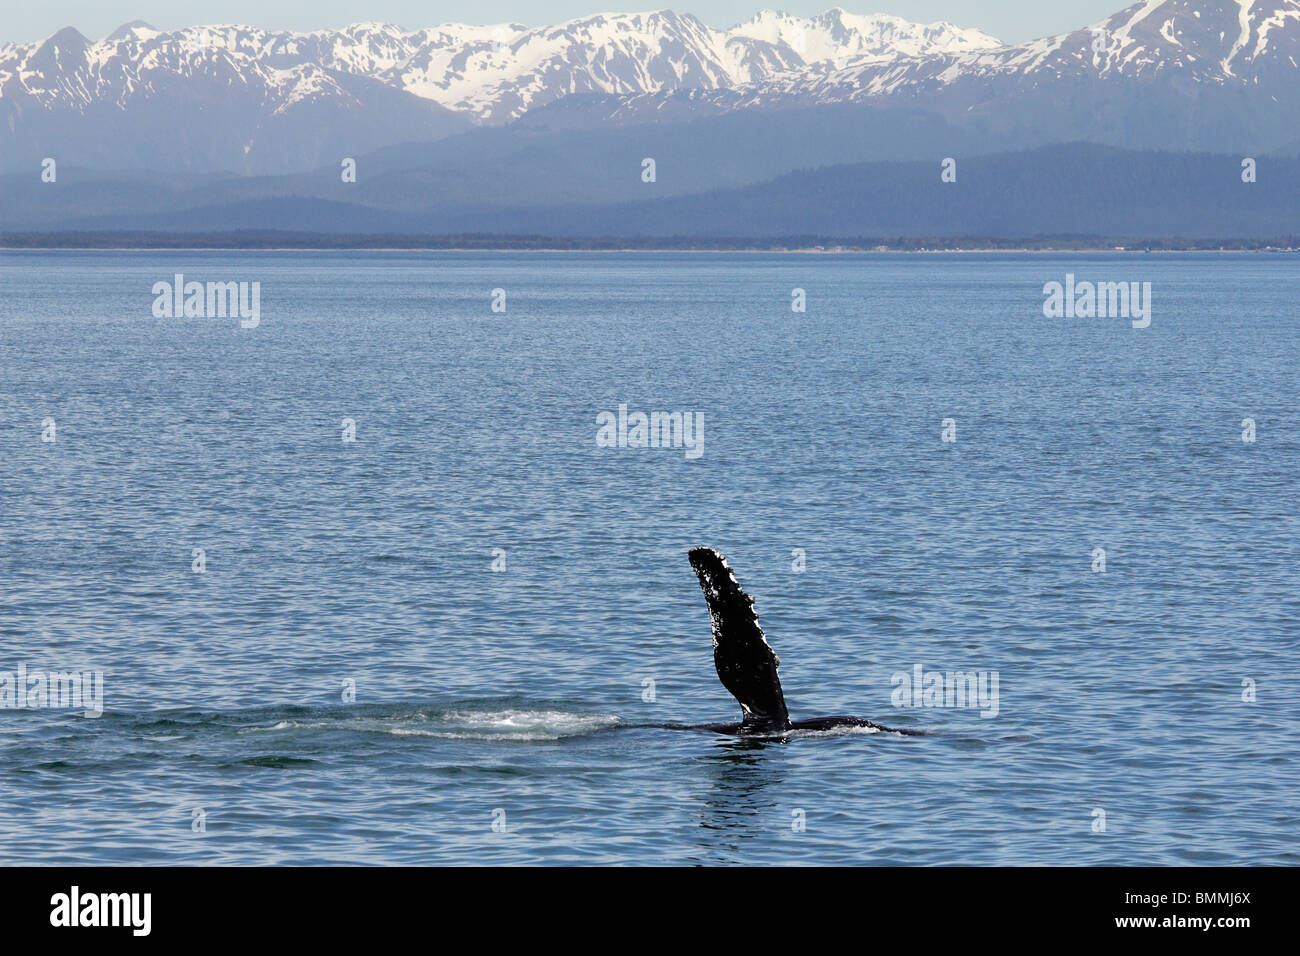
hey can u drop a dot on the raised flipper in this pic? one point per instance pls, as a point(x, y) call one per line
point(745, 661)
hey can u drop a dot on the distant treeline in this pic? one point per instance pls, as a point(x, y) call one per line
point(287, 240)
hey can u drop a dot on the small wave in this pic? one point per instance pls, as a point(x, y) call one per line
point(278, 761)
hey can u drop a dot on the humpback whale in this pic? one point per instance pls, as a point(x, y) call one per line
point(747, 664)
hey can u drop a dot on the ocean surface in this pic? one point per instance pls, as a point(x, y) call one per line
point(348, 680)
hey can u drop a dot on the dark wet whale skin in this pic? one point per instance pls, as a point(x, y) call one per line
point(812, 725)
point(746, 663)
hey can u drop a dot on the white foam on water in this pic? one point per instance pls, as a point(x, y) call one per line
point(471, 735)
point(510, 724)
point(557, 722)
point(844, 731)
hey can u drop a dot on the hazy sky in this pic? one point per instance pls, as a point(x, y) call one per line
point(1010, 20)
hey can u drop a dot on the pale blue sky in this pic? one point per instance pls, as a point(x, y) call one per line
point(1011, 20)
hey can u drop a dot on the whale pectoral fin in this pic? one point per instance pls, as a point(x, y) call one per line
point(745, 661)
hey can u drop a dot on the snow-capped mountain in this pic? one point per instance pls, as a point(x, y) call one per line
point(1229, 42)
point(196, 100)
point(491, 73)
point(1183, 73)
point(836, 37)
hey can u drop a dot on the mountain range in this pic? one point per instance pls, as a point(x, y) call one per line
point(244, 100)
point(486, 128)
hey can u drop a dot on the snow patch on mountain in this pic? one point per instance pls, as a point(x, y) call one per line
point(837, 37)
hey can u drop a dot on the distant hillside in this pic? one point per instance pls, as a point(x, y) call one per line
point(1070, 191)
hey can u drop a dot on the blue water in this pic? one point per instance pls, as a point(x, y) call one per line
point(487, 696)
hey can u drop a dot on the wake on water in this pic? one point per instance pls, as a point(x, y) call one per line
point(509, 724)
point(505, 722)
point(746, 665)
